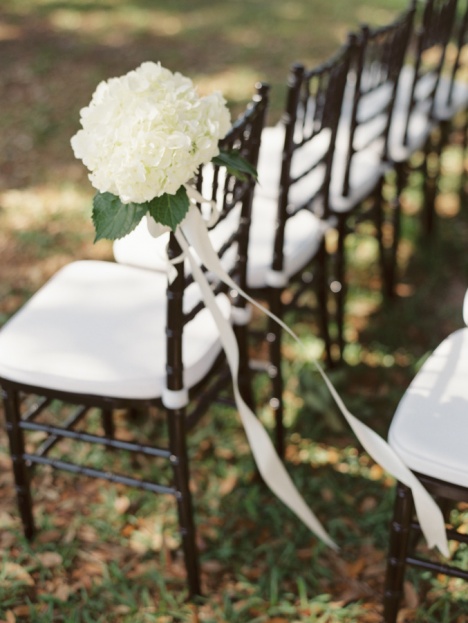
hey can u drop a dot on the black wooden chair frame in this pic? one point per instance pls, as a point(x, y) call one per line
point(404, 533)
point(378, 59)
point(432, 30)
point(313, 103)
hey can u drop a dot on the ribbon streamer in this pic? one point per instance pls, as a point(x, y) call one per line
point(193, 234)
point(269, 465)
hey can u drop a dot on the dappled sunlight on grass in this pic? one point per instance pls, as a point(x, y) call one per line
point(235, 83)
point(448, 205)
point(42, 202)
point(115, 25)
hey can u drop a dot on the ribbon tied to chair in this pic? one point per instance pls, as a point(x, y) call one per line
point(192, 236)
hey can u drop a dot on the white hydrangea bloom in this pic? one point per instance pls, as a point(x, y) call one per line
point(146, 133)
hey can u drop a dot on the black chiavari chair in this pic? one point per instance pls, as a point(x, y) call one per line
point(106, 336)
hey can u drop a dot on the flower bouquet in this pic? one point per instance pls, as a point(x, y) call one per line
point(144, 135)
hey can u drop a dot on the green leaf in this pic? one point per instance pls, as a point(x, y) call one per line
point(236, 164)
point(169, 209)
point(113, 219)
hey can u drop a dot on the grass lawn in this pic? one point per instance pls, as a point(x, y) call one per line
point(106, 554)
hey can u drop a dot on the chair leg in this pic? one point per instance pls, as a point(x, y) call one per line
point(108, 423)
point(20, 469)
point(432, 174)
point(245, 376)
point(179, 459)
point(379, 225)
point(464, 172)
point(388, 255)
point(399, 543)
point(392, 263)
point(274, 335)
point(341, 287)
point(322, 295)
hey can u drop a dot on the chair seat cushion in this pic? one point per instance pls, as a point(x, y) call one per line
point(304, 233)
point(445, 109)
point(303, 236)
point(140, 249)
point(99, 328)
point(430, 426)
point(420, 122)
point(367, 168)
point(465, 308)
point(304, 157)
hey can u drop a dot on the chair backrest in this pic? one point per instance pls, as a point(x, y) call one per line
point(431, 36)
point(312, 111)
point(373, 80)
point(232, 196)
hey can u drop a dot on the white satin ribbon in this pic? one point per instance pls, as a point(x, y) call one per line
point(269, 465)
point(193, 194)
point(192, 234)
point(155, 230)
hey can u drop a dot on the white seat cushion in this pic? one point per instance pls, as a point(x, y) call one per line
point(304, 231)
point(375, 101)
point(367, 165)
point(303, 235)
point(99, 328)
point(140, 249)
point(367, 168)
point(420, 123)
point(465, 308)
point(445, 110)
point(270, 160)
point(430, 427)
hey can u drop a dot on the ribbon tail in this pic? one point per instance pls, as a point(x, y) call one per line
point(269, 464)
point(197, 235)
point(196, 196)
point(429, 514)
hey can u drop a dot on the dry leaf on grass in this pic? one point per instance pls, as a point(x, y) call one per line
point(10, 617)
point(355, 568)
point(49, 536)
point(228, 484)
point(50, 559)
point(15, 572)
point(411, 596)
point(122, 504)
point(63, 592)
